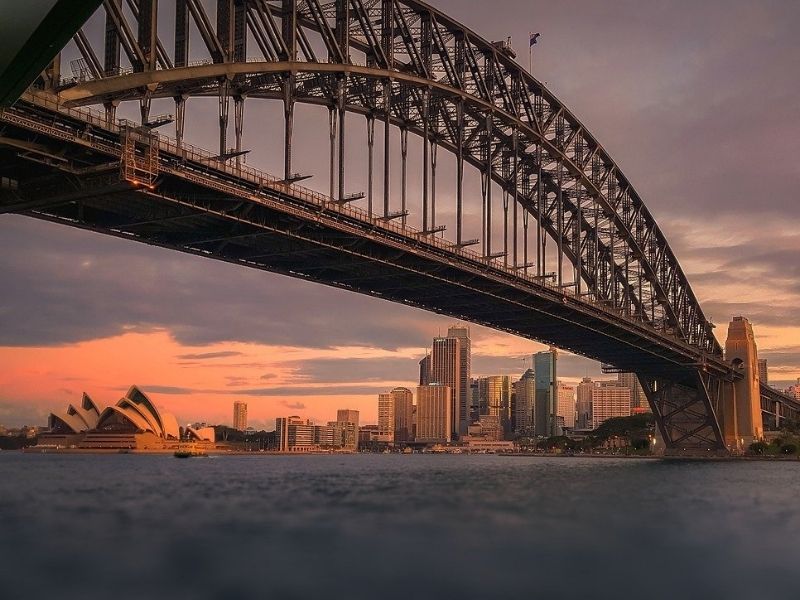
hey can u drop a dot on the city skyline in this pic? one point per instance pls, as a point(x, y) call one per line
point(87, 311)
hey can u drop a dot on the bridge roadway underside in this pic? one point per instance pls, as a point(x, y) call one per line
point(267, 229)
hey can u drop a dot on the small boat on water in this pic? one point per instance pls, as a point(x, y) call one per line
point(189, 453)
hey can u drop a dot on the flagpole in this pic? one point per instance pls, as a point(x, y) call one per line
point(530, 53)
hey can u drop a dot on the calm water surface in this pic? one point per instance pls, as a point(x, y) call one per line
point(390, 526)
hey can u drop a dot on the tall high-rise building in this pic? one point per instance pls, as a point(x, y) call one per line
point(583, 405)
point(475, 400)
point(347, 419)
point(609, 399)
point(498, 400)
point(464, 374)
point(240, 415)
point(566, 404)
point(763, 375)
point(482, 392)
point(446, 370)
point(425, 370)
point(434, 413)
point(395, 416)
point(525, 392)
point(347, 415)
point(403, 414)
point(386, 417)
point(546, 401)
point(631, 381)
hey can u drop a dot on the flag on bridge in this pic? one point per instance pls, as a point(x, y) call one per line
point(533, 38)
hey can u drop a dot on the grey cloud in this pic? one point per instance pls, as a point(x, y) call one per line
point(209, 355)
point(80, 286)
point(294, 405)
point(758, 313)
point(168, 389)
point(782, 359)
point(344, 390)
point(342, 370)
point(16, 415)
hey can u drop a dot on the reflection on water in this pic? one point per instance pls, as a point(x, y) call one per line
point(392, 526)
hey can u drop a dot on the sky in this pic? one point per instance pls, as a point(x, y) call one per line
point(698, 102)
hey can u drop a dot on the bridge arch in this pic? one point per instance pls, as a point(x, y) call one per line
point(429, 75)
point(402, 64)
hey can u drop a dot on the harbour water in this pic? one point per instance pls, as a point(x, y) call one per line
point(396, 526)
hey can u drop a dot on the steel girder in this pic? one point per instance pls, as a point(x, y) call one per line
point(404, 62)
point(687, 414)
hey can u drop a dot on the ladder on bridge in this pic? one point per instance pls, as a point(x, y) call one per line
point(139, 163)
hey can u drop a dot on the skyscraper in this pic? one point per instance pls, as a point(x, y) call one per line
point(240, 415)
point(464, 374)
point(434, 412)
point(498, 400)
point(546, 401)
point(446, 370)
point(610, 400)
point(583, 406)
point(347, 419)
point(395, 415)
point(566, 405)
point(403, 414)
point(631, 381)
point(347, 415)
point(385, 417)
point(475, 400)
point(525, 390)
point(425, 370)
point(763, 376)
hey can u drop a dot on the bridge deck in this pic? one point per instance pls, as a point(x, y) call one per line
point(204, 206)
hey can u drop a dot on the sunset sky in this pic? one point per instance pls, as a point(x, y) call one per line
point(698, 102)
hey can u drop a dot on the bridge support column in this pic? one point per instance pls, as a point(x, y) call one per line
point(403, 173)
point(224, 107)
point(288, 125)
point(180, 119)
point(333, 116)
point(685, 414)
point(370, 159)
point(238, 119)
point(742, 423)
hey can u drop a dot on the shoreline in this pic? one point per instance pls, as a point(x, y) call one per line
point(218, 453)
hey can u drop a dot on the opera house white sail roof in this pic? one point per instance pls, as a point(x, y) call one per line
point(76, 419)
point(133, 413)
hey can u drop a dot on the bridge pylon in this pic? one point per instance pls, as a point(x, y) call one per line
point(740, 417)
point(686, 413)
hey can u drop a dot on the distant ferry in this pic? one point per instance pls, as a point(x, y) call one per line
point(190, 453)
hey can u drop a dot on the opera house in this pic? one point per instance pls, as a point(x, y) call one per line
point(134, 423)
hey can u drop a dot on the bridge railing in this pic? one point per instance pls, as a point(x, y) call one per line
point(212, 163)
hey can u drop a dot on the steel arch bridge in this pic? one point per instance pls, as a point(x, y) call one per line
point(577, 260)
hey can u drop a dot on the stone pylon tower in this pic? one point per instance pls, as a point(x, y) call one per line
point(741, 410)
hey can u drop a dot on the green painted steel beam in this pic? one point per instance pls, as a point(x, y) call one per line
point(32, 33)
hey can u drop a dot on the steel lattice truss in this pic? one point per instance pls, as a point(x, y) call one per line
point(404, 64)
